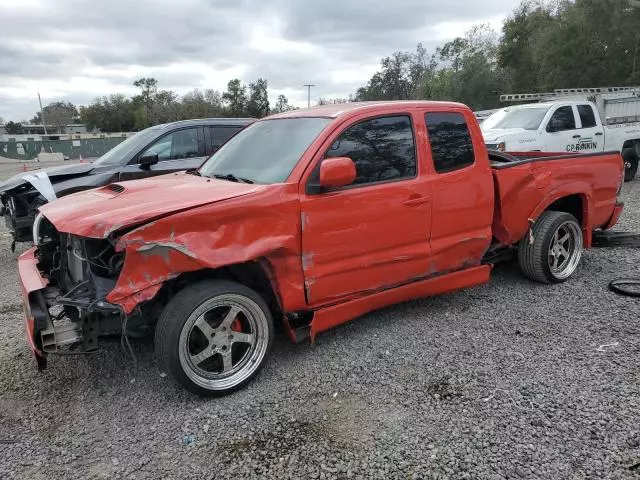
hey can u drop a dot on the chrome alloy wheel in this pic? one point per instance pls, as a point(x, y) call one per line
point(565, 250)
point(223, 341)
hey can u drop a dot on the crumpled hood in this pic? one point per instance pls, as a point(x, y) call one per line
point(97, 213)
point(54, 174)
point(494, 135)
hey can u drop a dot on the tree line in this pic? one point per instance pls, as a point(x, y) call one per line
point(543, 45)
point(152, 106)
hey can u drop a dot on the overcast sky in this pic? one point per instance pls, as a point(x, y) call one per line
point(75, 50)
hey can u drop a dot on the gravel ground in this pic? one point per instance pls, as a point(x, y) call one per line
point(501, 381)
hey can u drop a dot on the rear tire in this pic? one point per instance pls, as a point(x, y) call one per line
point(630, 163)
point(214, 337)
point(556, 250)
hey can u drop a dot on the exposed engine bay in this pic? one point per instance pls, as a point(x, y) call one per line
point(81, 272)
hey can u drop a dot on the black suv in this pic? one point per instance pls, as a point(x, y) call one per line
point(156, 150)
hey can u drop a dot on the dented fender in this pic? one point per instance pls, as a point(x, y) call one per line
point(214, 236)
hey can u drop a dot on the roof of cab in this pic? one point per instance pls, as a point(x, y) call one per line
point(339, 109)
point(233, 122)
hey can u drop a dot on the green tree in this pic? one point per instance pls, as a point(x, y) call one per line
point(58, 114)
point(109, 114)
point(592, 43)
point(464, 69)
point(148, 90)
point(421, 68)
point(519, 51)
point(13, 128)
point(392, 82)
point(198, 104)
point(165, 107)
point(214, 99)
point(235, 98)
point(258, 103)
point(282, 105)
point(564, 44)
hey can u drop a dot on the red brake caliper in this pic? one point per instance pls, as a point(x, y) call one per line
point(236, 326)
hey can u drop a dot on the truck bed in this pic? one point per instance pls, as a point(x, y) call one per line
point(527, 183)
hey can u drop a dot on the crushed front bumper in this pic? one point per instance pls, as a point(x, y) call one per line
point(35, 309)
point(79, 320)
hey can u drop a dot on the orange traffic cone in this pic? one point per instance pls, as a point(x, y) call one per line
point(81, 159)
point(24, 168)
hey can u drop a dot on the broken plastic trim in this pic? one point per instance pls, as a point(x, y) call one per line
point(41, 182)
point(36, 228)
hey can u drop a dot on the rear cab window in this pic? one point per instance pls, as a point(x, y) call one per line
point(450, 141)
point(587, 117)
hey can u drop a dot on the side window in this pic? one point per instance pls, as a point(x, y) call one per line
point(221, 134)
point(451, 145)
point(382, 149)
point(587, 117)
point(562, 120)
point(176, 145)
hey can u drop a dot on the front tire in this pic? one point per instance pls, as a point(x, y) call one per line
point(214, 336)
point(556, 250)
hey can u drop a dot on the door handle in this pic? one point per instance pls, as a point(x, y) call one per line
point(577, 136)
point(412, 202)
point(599, 134)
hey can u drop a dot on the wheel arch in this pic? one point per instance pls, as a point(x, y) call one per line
point(575, 204)
point(574, 200)
point(256, 274)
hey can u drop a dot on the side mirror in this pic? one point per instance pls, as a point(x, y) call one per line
point(337, 172)
point(147, 160)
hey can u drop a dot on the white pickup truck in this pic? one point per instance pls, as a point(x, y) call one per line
point(570, 120)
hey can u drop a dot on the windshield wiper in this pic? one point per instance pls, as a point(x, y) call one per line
point(193, 171)
point(232, 178)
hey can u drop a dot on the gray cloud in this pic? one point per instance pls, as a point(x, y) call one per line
point(117, 41)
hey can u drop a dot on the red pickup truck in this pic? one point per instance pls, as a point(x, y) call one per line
point(309, 218)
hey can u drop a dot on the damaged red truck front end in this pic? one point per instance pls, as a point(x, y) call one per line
point(106, 262)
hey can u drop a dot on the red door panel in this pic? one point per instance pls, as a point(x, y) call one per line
point(365, 239)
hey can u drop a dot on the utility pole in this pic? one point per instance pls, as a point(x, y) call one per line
point(44, 125)
point(308, 85)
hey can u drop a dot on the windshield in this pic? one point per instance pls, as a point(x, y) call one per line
point(266, 151)
point(527, 118)
point(134, 143)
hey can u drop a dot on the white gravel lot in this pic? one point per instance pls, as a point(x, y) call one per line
point(500, 381)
